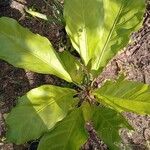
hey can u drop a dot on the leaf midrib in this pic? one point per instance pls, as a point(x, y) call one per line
point(113, 103)
point(109, 36)
point(53, 101)
point(121, 98)
point(85, 31)
point(33, 54)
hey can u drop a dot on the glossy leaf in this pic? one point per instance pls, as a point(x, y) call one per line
point(107, 123)
point(68, 134)
point(99, 28)
point(73, 66)
point(37, 112)
point(125, 95)
point(26, 50)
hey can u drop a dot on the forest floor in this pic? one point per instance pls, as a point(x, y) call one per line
point(134, 61)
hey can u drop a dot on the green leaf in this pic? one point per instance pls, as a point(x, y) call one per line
point(37, 112)
point(23, 49)
point(125, 95)
point(87, 110)
point(36, 14)
point(69, 134)
point(107, 123)
point(72, 66)
point(99, 28)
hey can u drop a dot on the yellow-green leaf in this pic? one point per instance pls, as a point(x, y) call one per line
point(26, 50)
point(99, 28)
point(107, 123)
point(37, 112)
point(69, 134)
point(124, 95)
point(72, 66)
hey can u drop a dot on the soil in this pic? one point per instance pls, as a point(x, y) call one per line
point(134, 61)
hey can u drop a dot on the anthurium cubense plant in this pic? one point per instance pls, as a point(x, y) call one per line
point(57, 116)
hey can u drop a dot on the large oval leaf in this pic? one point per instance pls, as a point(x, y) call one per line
point(107, 123)
point(69, 134)
point(99, 28)
point(37, 112)
point(125, 95)
point(23, 49)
